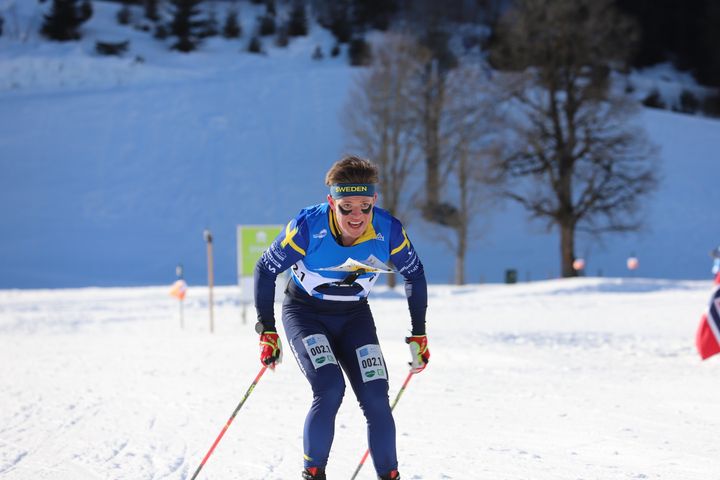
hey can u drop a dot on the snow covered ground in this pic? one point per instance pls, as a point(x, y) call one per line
point(565, 379)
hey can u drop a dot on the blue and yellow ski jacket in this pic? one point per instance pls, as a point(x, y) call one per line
point(310, 245)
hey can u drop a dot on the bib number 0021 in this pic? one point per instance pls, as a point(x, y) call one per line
point(371, 363)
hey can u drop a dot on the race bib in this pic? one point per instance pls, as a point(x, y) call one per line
point(318, 348)
point(372, 365)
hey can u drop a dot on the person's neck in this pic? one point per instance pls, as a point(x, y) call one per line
point(345, 241)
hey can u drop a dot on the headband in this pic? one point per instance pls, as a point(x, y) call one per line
point(340, 190)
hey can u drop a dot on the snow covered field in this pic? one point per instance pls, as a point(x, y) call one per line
point(564, 379)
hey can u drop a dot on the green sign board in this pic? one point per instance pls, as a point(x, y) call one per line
point(253, 240)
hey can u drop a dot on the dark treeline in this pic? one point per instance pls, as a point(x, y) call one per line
point(684, 32)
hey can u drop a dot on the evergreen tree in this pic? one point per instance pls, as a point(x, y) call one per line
point(184, 24)
point(232, 28)
point(281, 39)
point(161, 31)
point(298, 24)
point(64, 20)
point(151, 10)
point(210, 25)
point(124, 15)
point(255, 45)
point(335, 15)
point(86, 11)
point(266, 25)
point(270, 8)
point(359, 52)
point(374, 13)
point(685, 34)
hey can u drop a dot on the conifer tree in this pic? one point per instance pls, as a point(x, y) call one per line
point(86, 11)
point(185, 26)
point(360, 52)
point(281, 39)
point(340, 25)
point(266, 25)
point(255, 45)
point(270, 8)
point(210, 25)
point(64, 20)
point(298, 23)
point(124, 15)
point(375, 13)
point(232, 28)
point(151, 10)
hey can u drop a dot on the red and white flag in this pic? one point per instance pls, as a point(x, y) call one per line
point(707, 338)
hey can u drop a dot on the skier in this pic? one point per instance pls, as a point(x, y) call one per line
point(336, 250)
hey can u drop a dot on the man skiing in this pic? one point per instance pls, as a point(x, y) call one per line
point(337, 250)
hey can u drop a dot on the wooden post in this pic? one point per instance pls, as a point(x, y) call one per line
point(208, 241)
point(181, 296)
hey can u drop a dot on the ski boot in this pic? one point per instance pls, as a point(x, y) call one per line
point(393, 475)
point(313, 473)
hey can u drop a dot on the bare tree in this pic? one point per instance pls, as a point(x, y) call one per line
point(576, 158)
point(403, 111)
point(378, 121)
point(429, 108)
point(470, 140)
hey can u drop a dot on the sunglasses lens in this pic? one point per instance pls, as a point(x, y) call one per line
point(348, 211)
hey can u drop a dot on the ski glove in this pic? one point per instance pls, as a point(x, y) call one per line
point(419, 351)
point(270, 349)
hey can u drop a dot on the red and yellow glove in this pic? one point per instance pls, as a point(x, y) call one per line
point(419, 351)
point(270, 349)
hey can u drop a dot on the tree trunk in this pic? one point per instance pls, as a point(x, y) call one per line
point(567, 249)
point(460, 261)
point(432, 161)
point(391, 280)
point(461, 228)
point(431, 126)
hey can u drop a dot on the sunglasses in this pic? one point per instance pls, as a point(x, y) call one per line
point(348, 211)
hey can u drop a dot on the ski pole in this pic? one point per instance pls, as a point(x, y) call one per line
point(232, 417)
point(392, 407)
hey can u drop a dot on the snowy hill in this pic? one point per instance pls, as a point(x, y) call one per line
point(562, 379)
point(112, 167)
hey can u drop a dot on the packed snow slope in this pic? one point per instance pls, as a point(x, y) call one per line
point(593, 379)
point(113, 167)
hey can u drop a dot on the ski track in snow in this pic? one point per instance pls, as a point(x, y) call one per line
point(576, 379)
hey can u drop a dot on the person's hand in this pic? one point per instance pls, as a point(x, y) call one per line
point(419, 351)
point(270, 349)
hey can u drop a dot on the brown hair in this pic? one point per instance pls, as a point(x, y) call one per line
point(351, 169)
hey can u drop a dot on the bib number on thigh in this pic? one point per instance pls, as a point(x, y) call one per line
point(372, 365)
point(318, 348)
